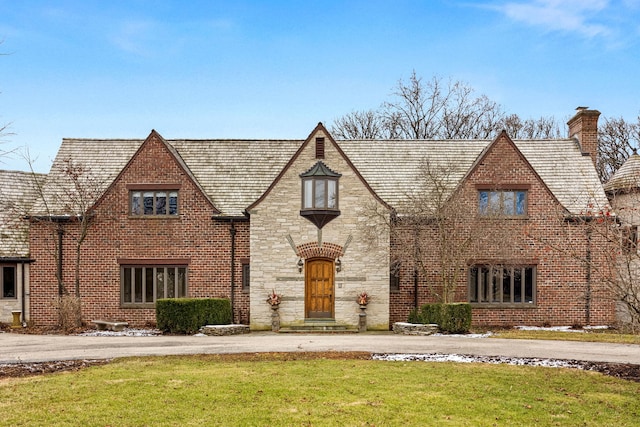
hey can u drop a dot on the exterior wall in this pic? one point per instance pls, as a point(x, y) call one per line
point(625, 205)
point(568, 292)
point(274, 261)
point(114, 235)
point(8, 305)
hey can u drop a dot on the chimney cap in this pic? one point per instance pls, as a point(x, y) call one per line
point(581, 108)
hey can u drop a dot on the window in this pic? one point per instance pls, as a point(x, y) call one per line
point(320, 194)
point(245, 277)
point(141, 286)
point(394, 277)
point(502, 202)
point(630, 239)
point(156, 203)
point(502, 284)
point(9, 289)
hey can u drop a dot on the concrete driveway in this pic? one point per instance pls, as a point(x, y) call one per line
point(20, 348)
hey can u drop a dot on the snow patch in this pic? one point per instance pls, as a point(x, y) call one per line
point(127, 332)
point(466, 358)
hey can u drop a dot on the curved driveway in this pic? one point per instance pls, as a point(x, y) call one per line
point(20, 348)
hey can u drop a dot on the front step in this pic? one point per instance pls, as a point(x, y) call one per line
point(319, 326)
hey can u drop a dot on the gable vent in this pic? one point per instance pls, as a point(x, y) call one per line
point(319, 148)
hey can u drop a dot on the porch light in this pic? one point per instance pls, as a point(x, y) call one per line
point(338, 265)
point(300, 265)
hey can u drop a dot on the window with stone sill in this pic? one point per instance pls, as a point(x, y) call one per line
point(504, 285)
point(142, 286)
point(160, 203)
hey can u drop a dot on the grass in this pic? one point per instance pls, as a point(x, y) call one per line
point(593, 335)
point(285, 390)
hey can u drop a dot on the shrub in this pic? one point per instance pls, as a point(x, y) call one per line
point(188, 315)
point(450, 318)
point(456, 318)
point(69, 312)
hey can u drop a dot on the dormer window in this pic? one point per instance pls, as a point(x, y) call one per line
point(320, 194)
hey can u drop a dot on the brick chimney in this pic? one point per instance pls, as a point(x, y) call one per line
point(584, 127)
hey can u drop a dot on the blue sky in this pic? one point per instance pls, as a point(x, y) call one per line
point(274, 69)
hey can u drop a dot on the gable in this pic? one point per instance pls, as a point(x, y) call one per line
point(156, 163)
point(316, 153)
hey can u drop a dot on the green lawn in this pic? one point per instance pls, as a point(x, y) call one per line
point(297, 390)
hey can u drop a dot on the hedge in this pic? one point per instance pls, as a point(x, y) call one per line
point(188, 315)
point(450, 318)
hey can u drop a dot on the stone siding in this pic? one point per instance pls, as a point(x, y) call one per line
point(274, 260)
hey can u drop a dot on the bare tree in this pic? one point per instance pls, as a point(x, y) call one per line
point(78, 200)
point(542, 128)
point(366, 124)
point(64, 208)
point(439, 109)
point(437, 230)
point(617, 139)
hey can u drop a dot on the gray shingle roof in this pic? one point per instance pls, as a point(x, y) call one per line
point(627, 177)
point(18, 191)
point(103, 160)
point(570, 175)
point(235, 173)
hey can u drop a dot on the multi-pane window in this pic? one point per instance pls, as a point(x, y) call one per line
point(157, 203)
point(630, 239)
point(142, 285)
point(394, 277)
point(502, 284)
point(502, 202)
point(246, 277)
point(9, 288)
point(320, 193)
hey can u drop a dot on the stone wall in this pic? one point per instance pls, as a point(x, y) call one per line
point(276, 219)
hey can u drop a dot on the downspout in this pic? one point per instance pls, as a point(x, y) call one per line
point(232, 231)
point(588, 291)
point(60, 233)
point(23, 294)
point(415, 268)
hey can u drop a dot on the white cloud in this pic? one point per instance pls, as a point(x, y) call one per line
point(578, 16)
point(135, 36)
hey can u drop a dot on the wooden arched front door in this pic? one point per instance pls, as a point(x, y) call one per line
point(319, 288)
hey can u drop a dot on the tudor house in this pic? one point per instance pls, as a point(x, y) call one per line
point(242, 218)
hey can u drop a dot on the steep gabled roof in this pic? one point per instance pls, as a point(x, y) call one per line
point(393, 167)
point(104, 160)
point(18, 191)
point(320, 128)
point(235, 173)
point(567, 172)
